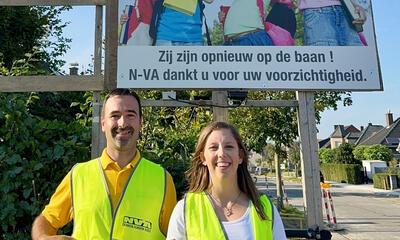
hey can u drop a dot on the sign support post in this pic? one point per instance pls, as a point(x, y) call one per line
point(309, 158)
point(219, 98)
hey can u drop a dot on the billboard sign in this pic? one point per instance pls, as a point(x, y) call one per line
point(297, 58)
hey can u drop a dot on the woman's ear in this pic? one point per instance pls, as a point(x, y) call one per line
point(241, 156)
point(202, 158)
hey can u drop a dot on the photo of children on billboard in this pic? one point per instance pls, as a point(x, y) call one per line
point(244, 22)
point(248, 44)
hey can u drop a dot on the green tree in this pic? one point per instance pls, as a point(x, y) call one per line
point(25, 28)
point(359, 152)
point(258, 125)
point(327, 155)
point(269, 154)
point(37, 148)
point(35, 154)
point(345, 155)
point(169, 136)
point(378, 152)
point(293, 155)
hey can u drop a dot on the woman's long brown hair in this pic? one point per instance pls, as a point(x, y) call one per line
point(199, 178)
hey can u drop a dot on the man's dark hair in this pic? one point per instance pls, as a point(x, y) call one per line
point(123, 92)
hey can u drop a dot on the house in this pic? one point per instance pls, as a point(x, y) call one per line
point(368, 132)
point(388, 135)
point(344, 134)
point(324, 143)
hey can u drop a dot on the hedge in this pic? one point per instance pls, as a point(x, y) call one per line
point(381, 180)
point(344, 173)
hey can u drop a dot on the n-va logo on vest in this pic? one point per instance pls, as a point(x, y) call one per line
point(137, 223)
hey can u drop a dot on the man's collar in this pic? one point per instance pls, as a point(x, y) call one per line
point(106, 161)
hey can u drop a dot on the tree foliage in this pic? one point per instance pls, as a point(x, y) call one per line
point(293, 154)
point(393, 167)
point(358, 152)
point(327, 155)
point(378, 152)
point(343, 154)
point(42, 135)
point(169, 137)
point(373, 152)
point(260, 125)
point(35, 154)
point(268, 156)
point(24, 28)
point(346, 154)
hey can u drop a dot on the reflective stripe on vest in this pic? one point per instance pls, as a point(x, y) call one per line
point(201, 221)
point(138, 210)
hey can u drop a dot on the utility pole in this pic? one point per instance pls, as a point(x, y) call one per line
point(219, 98)
point(98, 140)
point(309, 158)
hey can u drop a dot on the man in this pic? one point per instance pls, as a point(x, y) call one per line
point(120, 195)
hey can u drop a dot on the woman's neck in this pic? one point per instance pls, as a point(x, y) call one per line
point(224, 192)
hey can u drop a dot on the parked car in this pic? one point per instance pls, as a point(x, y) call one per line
point(252, 169)
point(261, 170)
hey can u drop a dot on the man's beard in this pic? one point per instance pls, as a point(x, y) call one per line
point(125, 141)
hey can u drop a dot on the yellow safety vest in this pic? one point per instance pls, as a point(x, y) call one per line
point(137, 213)
point(202, 222)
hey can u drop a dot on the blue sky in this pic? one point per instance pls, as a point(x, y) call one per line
point(368, 107)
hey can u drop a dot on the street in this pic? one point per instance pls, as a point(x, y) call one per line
point(361, 211)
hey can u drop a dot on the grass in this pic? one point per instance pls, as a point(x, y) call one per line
point(292, 217)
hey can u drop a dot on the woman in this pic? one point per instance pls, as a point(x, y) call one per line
point(222, 201)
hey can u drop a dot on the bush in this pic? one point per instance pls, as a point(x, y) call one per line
point(381, 180)
point(358, 152)
point(378, 152)
point(327, 155)
point(292, 218)
point(348, 173)
point(35, 154)
point(169, 141)
point(393, 167)
point(344, 154)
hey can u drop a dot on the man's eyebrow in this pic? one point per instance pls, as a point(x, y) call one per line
point(132, 111)
point(114, 112)
point(117, 111)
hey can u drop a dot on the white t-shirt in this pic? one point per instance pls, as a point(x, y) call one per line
point(239, 229)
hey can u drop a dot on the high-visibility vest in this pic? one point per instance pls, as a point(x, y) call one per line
point(202, 222)
point(137, 213)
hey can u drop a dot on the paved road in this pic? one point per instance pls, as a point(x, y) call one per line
point(362, 212)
